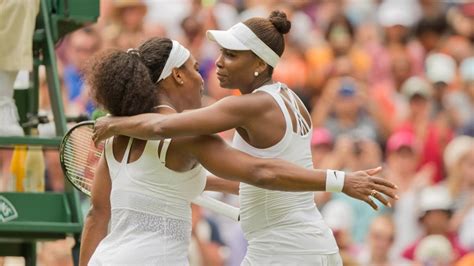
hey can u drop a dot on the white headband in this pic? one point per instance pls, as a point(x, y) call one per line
point(178, 56)
point(241, 37)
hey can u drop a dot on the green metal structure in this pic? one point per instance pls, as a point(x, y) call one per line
point(49, 215)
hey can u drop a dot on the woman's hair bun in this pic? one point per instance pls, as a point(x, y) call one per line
point(280, 21)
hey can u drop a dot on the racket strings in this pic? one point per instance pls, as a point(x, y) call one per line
point(80, 157)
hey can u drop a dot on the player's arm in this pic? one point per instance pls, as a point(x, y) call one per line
point(224, 161)
point(97, 220)
point(214, 183)
point(228, 113)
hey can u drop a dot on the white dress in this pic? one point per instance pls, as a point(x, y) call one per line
point(151, 211)
point(284, 228)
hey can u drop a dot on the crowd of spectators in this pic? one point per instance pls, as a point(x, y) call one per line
point(387, 82)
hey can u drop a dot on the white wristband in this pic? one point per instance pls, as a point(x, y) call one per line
point(334, 180)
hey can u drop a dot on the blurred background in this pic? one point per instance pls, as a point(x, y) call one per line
point(388, 82)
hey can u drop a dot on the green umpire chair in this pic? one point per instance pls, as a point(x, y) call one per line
point(26, 218)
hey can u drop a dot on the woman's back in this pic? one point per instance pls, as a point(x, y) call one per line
point(277, 222)
point(150, 206)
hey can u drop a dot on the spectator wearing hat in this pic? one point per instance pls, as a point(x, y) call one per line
point(434, 250)
point(322, 144)
point(462, 101)
point(339, 216)
point(459, 161)
point(432, 135)
point(435, 207)
point(402, 157)
point(342, 110)
point(126, 27)
point(440, 71)
point(395, 20)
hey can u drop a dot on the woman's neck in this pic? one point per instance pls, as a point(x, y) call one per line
point(257, 83)
point(166, 103)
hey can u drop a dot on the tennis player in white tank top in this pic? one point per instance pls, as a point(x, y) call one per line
point(150, 209)
point(283, 228)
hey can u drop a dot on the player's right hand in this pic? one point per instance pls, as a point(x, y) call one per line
point(366, 186)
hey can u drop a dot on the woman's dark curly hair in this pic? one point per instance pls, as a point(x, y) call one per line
point(123, 83)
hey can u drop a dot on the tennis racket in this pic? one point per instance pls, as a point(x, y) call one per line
point(79, 157)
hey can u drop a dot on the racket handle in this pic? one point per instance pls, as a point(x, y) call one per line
point(218, 207)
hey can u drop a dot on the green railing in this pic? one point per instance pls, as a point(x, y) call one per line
point(26, 218)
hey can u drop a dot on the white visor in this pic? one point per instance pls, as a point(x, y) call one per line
point(178, 56)
point(241, 38)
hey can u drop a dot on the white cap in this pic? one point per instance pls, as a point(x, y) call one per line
point(440, 68)
point(416, 86)
point(434, 249)
point(338, 215)
point(467, 69)
point(241, 38)
point(391, 13)
point(456, 149)
point(434, 198)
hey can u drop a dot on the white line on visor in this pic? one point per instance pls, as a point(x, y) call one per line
point(240, 37)
point(178, 56)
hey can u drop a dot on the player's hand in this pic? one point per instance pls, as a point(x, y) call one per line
point(365, 186)
point(103, 129)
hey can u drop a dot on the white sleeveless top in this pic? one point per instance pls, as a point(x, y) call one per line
point(276, 222)
point(150, 209)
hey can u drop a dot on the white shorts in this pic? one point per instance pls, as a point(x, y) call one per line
point(293, 260)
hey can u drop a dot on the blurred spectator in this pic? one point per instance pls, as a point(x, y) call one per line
point(126, 27)
point(459, 161)
point(402, 156)
point(207, 247)
point(230, 231)
point(322, 144)
point(379, 241)
point(386, 94)
point(81, 45)
point(293, 71)
point(352, 155)
point(461, 19)
point(431, 136)
point(430, 32)
point(54, 174)
point(435, 209)
point(17, 22)
point(441, 72)
point(339, 217)
point(341, 110)
point(56, 253)
point(395, 18)
point(462, 102)
point(339, 37)
point(434, 250)
point(466, 260)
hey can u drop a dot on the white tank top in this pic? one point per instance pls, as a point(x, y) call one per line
point(276, 222)
point(151, 210)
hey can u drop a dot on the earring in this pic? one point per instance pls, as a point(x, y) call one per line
point(256, 73)
point(182, 82)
